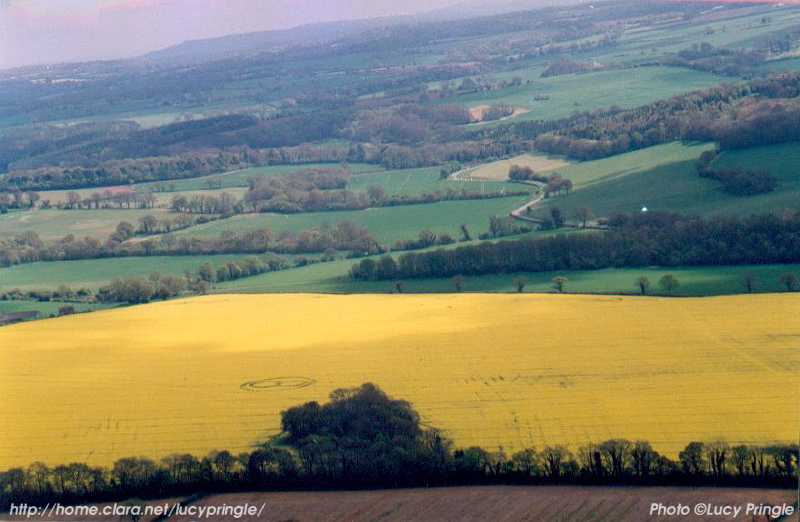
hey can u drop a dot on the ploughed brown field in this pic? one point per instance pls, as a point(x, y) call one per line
point(494, 503)
point(476, 503)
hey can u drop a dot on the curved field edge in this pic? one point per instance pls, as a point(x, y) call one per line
point(505, 371)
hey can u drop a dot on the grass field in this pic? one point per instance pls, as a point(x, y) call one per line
point(498, 170)
point(497, 503)
point(92, 273)
point(664, 178)
point(55, 224)
point(491, 370)
point(596, 90)
point(45, 308)
point(387, 224)
point(695, 281)
point(418, 181)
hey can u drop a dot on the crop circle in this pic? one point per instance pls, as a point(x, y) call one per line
point(278, 383)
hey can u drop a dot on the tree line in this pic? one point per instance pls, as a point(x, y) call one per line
point(652, 239)
point(363, 438)
point(758, 112)
point(344, 236)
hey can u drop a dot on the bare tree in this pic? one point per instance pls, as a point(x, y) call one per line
point(584, 215)
point(669, 283)
point(519, 283)
point(749, 281)
point(789, 280)
point(559, 282)
point(644, 285)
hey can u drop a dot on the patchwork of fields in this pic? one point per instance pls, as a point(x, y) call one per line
point(491, 370)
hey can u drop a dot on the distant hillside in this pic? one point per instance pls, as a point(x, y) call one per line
point(196, 51)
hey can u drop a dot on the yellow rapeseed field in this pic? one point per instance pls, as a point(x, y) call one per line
point(494, 370)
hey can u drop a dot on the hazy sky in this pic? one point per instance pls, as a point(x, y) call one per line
point(49, 31)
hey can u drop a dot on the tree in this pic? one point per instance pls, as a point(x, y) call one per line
point(458, 282)
point(669, 283)
point(790, 281)
point(691, 458)
point(124, 232)
point(643, 458)
point(33, 197)
point(66, 310)
point(557, 217)
point(519, 283)
point(73, 199)
point(398, 286)
point(559, 282)
point(465, 235)
point(644, 285)
point(555, 458)
point(206, 273)
point(583, 215)
point(525, 462)
point(376, 194)
point(148, 224)
point(386, 268)
point(717, 457)
point(749, 281)
point(427, 238)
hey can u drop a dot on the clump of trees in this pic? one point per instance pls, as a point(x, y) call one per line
point(740, 182)
point(565, 66)
point(736, 181)
point(426, 238)
point(497, 112)
point(15, 198)
point(136, 290)
point(364, 438)
point(503, 227)
point(525, 173)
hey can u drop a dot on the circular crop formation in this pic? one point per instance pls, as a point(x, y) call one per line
point(278, 383)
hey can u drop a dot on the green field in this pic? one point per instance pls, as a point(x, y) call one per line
point(417, 181)
point(586, 92)
point(92, 273)
point(700, 281)
point(46, 308)
point(664, 178)
point(387, 224)
point(55, 224)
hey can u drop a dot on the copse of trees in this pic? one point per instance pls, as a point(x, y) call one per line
point(364, 438)
point(18, 199)
point(426, 238)
point(525, 173)
point(740, 182)
point(653, 239)
point(736, 181)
